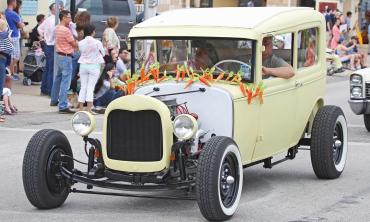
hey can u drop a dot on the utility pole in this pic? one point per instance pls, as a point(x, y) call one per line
point(57, 11)
point(150, 10)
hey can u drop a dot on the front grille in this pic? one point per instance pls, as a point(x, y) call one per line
point(134, 136)
point(367, 90)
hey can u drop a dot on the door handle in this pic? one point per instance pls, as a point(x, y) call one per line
point(298, 84)
point(130, 22)
point(103, 21)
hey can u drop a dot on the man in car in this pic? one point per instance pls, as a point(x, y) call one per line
point(272, 65)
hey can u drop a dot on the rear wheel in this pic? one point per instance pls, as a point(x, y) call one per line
point(329, 142)
point(219, 179)
point(43, 182)
point(367, 121)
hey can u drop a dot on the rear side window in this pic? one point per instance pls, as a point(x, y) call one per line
point(107, 7)
point(307, 47)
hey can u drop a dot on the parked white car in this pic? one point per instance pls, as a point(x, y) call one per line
point(360, 94)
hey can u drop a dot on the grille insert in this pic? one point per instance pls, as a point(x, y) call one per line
point(134, 136)
point(367, 90)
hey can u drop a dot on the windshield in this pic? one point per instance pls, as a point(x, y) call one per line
point(199, 54)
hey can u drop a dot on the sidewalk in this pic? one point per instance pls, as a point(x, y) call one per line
point(34, 110)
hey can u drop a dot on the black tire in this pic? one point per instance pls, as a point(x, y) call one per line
point(329, 142)
point(43, 183)
point(367, 121)
point(218, 199)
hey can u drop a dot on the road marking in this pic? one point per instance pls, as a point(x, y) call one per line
point(36, 130)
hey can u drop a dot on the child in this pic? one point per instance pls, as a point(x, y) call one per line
point(9, 109)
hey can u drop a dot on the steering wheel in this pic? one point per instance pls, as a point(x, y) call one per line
point(230, 61)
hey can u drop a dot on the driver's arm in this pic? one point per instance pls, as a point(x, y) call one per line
point(279, 68)
point(285, 72)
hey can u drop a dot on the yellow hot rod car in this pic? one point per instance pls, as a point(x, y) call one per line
point(212, 91)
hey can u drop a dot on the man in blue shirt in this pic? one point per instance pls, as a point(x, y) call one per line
point(15, 25)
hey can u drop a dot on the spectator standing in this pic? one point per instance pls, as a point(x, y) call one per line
point(82, 19)
point(34, 35)
point(9, 108)
point(329, 26)
point(110, 39)
point(64, 46)
point(15, 25)
point(5, 58)
point(46, 31)
point(123, 59)
point(92, 53)
point(335, 35)
point(347, 21)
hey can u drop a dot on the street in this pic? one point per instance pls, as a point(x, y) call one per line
point(287, 192)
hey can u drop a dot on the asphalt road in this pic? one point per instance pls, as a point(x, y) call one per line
point(288, 192)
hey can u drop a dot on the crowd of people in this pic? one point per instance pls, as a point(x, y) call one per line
point(85, 67)
point(342, 39)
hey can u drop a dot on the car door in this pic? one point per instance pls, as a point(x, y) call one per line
point(310, 73)
point(277, 113)
point(100, 10)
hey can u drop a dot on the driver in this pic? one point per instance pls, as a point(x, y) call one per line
point(202, 59)
point(273, 65)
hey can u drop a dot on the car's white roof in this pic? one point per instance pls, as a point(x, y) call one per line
point(235, 17)
point(237, 22)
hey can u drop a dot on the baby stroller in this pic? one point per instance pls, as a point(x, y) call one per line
point(34, 65)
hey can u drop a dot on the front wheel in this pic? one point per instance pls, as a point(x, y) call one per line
point(329, 142)
point(43, 182)
point(367, 121)
point(219, 178)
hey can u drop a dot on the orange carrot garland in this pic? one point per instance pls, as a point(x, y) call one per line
point(186, 73)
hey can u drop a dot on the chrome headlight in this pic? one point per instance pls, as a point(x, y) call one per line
point(356, 92)
point(356, 79)
point(185, 126)
point(83, 123)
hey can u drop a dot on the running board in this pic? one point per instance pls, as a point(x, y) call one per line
point(174, 197)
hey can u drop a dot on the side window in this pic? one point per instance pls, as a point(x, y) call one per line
point(94, 7)
point(307, 47)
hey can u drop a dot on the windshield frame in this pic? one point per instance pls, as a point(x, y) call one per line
point(253, 41)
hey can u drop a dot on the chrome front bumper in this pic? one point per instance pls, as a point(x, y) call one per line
point(360, 106)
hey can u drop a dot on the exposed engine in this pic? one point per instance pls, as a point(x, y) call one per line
point(176, 109)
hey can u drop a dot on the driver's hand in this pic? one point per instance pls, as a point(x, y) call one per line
point(265, 71)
